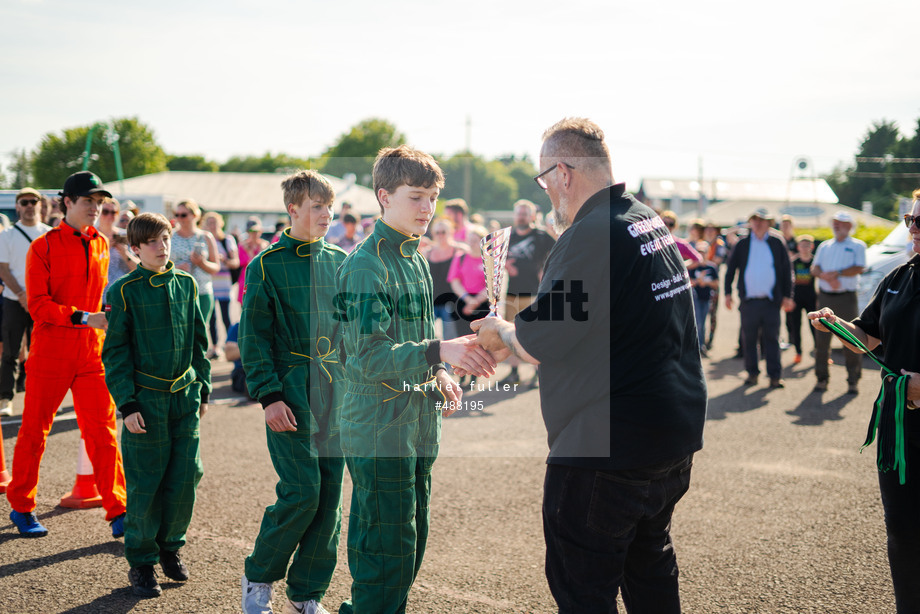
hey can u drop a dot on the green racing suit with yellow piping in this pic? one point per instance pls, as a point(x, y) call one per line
point(391, 420)
point(155, 364)
point(290, 347)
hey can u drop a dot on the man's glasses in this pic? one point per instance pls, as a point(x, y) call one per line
point(182, 215)
point(28, 202)
point(109, 212)
point(539, 178)
point(910, 220)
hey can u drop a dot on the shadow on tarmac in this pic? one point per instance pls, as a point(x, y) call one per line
point(113, 548)
point(119, 601)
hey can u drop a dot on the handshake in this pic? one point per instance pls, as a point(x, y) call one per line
point(480, 353)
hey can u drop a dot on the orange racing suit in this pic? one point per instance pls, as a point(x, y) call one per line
point(66, 271)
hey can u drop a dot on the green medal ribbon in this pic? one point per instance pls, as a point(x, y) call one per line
point(888, 415)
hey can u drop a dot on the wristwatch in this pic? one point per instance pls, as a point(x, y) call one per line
point(84, 319)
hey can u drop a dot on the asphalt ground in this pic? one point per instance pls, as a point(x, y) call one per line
point(783, 514)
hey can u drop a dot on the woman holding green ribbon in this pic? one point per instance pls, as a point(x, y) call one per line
point(892, 319)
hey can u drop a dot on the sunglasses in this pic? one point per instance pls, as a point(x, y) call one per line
point(28, 202)
point(910, 220)
point(183, 215)
point(109, 212)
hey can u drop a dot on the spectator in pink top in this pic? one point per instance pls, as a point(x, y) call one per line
point(692, 258)
point(468, 281)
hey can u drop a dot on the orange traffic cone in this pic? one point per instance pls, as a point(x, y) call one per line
point(84, 493)
point(4, 474)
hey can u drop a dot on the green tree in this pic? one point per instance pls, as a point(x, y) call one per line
point(355, 150)
point(267, 163)
point(870, 180)
point(59, 155)
point(191, 163)
point(491, 184)
point(19, 171)
point(523, 170)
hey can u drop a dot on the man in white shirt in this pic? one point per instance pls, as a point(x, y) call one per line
point(837, 266)
point(14, 244)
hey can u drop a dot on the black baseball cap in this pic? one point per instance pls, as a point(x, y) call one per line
point(84, 183)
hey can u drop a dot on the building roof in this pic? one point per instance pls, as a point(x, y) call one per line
point(804, 214)
point(236, 192)
point(761, 190)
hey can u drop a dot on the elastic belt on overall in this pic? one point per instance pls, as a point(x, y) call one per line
point(322, 357)
point(888, 414)
point(152, 382)
point(428, 385)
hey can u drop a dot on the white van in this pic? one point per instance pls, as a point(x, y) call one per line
point(881, 259)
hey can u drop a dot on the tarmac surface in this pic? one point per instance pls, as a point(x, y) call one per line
point(783, 513)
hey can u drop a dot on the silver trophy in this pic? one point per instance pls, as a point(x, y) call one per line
point(494, 248)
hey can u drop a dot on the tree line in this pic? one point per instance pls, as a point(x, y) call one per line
point(487, 184)
point(886, 167)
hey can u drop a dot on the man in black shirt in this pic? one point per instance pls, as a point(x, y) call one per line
point(527, 251)
point(621, 382)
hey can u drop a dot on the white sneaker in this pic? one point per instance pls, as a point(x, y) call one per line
point(6, 407)
point(304, 607)
point(257, 597)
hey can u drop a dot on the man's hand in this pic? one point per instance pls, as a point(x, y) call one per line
point(788, 304)
point(488, 333)
point(280, 418)
point(452, 392)
point(510, 268)
point(465, 352)
point(728, 302)
point(135, 423)
point(23, 299)
point(202, 410)
point(98, 320)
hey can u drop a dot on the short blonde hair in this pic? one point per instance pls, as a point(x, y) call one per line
point(916, 194)
point(303, 184)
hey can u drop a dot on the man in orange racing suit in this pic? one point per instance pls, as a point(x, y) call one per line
point(66, 271)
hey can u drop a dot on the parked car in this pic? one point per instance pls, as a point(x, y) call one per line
point(881, 259)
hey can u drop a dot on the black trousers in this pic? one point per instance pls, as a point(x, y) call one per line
point(611, 530)
point(16, 323)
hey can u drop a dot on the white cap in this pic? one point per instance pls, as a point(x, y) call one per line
point(843, 216)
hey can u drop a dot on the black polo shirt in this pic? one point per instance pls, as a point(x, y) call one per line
point(621, 383)
point(893, 315)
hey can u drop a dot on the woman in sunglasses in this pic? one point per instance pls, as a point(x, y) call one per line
point(891, 319)
point(195, 251)
point(121, 260)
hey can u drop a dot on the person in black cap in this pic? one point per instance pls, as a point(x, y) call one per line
point(66, 271)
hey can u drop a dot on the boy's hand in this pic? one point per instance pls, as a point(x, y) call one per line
point(98, 320)
point(465, 353)
point(452, 392)
point(280, 418)
point(135, 423)
point(202, 410)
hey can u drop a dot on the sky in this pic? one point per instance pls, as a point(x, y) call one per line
point(738, 89)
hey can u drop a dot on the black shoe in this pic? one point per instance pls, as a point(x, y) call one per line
point(173, 567)
point(144, 581)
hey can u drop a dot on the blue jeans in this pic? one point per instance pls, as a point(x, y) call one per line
point(902, 509)
point(610, 530)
